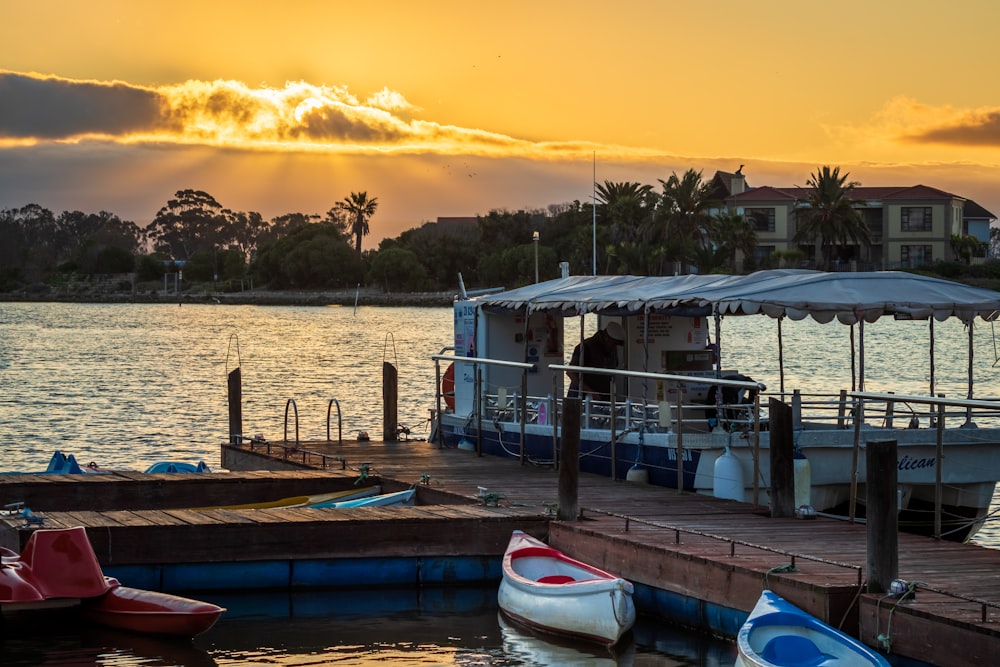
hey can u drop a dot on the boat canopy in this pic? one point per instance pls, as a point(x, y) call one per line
point(792, 293)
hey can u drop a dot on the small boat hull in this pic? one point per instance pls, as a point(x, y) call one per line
point(58, 568)
point(549, 591)
point(151, 612)
point(317, 500)
point(383, 500)
point(779, 634)
point(177, 466)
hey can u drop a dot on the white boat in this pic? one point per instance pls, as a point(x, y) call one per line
point(547, 590)
point(779, 634)
point(674, 397)
point(381, 500)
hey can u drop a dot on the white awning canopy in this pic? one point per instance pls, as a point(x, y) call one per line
point(792, 293)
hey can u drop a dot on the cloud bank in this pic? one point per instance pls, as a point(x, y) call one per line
point(298, 117)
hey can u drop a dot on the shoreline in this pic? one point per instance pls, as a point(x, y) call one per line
point(362, 297)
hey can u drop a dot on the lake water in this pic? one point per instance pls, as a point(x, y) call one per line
point(127, 385)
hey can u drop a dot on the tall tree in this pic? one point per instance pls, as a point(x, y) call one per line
point(627, 208)
point(359, 209)
point(684, 219)
point(830, 214)
point(191, 222)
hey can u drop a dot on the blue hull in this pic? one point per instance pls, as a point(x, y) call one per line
point(660, 463)
point(779, 634)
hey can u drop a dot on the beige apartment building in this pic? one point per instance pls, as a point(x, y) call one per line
point(909, 226)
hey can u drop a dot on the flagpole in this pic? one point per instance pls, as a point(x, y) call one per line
point(594, 208)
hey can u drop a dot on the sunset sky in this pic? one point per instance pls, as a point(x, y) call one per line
point(455, 109)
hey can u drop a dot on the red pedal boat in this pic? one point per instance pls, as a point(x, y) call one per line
point(58, 568)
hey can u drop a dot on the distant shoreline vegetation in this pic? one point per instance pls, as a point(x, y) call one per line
point(125, 288)
point(260, 297)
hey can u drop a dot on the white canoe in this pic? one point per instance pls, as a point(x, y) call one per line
point(779, 634)
point(545, 589)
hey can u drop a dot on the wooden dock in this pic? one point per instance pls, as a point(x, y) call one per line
point(695, 559)
point(720, 553)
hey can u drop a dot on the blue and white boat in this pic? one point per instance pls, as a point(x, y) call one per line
point(678, 395)
point(779, 634)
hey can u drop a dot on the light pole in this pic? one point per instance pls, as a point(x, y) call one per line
point(534, 239)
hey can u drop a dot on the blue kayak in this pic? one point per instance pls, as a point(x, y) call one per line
point(779, 634)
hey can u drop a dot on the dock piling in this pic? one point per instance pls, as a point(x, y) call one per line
point(235, 381)
point(782, 460)
point(882, 520)
point(569, 468)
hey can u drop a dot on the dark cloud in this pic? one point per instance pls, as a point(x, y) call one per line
point(983, 131)
point(339, 122)
point(53, 108)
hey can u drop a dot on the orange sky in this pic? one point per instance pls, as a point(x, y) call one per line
point(450, 109)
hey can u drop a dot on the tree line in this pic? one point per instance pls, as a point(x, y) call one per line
point(681, 226)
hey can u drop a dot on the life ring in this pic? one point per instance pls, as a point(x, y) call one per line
point(448, 386)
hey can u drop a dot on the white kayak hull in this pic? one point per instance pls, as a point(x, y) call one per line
point(546, 590)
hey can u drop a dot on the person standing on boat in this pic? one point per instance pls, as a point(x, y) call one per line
point(597, 351)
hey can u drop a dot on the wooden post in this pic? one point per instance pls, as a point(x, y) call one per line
point(569, 469)
point(390, 400)
point(842, 409)
point(235, 406)
point(782, 459)
point(882, 520)
point(796, 410)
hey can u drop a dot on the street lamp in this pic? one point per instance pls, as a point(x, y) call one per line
point(534, 238)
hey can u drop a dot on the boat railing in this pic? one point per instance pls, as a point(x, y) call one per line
point(938, 404)
point(811, 411)
point(500, 405)
point(479, 399)
point(679, 414)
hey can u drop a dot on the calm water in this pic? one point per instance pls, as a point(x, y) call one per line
point(126, 386)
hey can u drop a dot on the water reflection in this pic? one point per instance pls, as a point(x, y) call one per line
point(446, 626)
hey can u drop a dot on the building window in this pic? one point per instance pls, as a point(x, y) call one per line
point(762, 218)
point(915, 255)
point(762, 253)
point(916, 218)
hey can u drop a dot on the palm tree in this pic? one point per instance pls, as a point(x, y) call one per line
point(359, 208)
point(830, 214)
point(732, 232)
point(626, 206)
point(684, 216)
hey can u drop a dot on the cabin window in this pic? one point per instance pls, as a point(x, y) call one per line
point(762, 218)
point(916, 218)
point(915, 255)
